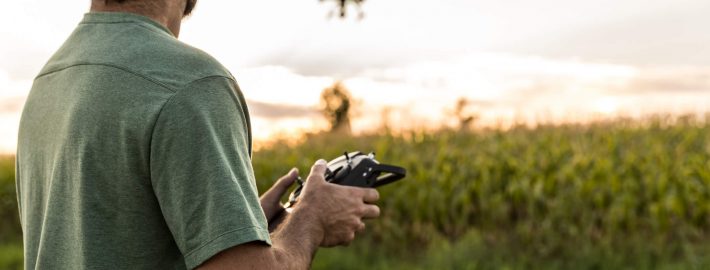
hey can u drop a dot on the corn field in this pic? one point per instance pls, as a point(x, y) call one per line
point(617, 194)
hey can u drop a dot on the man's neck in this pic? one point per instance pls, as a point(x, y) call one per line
point(168, 14)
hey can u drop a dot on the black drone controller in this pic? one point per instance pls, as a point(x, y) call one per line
point(355, 169)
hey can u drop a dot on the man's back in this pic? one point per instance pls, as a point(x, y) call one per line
point(116, 149)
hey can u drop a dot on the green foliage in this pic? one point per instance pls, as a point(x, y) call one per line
point(11, 256)
point(336, 105)
point(10, 230)
point(606, 195)
point(472, 251)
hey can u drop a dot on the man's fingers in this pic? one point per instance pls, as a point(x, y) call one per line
point(284, 182)
point(370, 195)
point(360, 226)
point(318, 170)
point(280, 187)
point(287, 180)
point(371, 211)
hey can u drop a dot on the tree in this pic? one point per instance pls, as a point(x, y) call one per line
point(465, 118)
point(336, 105)
point(342, 6)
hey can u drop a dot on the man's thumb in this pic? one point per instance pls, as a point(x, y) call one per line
point(318, 171)
point(287, 180)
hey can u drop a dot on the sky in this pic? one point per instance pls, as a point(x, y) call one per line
point(531, 61)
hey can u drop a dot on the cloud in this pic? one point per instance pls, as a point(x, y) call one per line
point(280, 111)
point(12, 105)
point(633, 32)
point(30, 31)
point(669, 80)
point(279, 85)
point(672, 36)
point(22, 60)
point(337, 62)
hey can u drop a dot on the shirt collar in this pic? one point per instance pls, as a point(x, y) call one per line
point(123, 17)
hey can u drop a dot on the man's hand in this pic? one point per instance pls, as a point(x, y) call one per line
point(326, 215)
point(335, 209)
point(271, 199)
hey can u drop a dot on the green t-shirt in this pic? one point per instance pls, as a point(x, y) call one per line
point(134, 153)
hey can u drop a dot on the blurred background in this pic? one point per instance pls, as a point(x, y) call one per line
point(538, 134)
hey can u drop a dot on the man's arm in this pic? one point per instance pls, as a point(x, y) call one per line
point(294, 245)
point(326, 215)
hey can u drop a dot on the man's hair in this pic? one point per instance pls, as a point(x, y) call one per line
point(144, 5)
point(152, 4)
point(189, 7)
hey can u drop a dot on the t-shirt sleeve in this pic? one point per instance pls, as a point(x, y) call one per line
point(201, 171)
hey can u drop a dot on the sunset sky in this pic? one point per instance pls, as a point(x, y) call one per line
point(545, 60)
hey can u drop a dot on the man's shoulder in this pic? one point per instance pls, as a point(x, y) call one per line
point(167, 60)
point(137, 49)
point(176, 63)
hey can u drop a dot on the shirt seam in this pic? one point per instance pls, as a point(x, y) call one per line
point(162, 108)
point(148, 78)
point(177, 91)
point(150, 147)
point(220, 236)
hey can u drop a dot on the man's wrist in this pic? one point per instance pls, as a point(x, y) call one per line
point(308, 220)
point(298, 237)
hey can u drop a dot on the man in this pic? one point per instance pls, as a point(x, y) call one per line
point(134, 153)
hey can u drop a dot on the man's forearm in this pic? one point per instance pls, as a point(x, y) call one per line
point(294, 244)
point(276, 220)
point(295, 241)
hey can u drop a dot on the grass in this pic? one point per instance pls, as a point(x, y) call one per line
point(11, 256)
point(609, 195)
